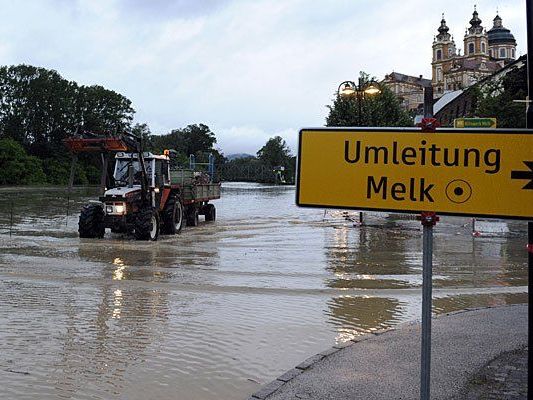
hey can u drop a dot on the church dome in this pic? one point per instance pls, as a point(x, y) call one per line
point(498, 34)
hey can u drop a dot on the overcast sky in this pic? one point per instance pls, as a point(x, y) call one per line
point(249, 69)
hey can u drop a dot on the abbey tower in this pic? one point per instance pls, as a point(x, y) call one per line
point(483, 54)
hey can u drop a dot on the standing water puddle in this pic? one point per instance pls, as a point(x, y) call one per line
point(222, 308)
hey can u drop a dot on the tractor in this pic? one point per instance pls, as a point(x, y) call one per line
point(145, 196)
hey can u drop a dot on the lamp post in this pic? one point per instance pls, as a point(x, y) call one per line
point(348, 89)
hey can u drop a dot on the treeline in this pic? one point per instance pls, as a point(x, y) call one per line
point(200, 141)
point(273, 163)
point(39, 109)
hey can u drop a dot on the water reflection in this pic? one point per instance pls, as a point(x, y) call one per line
point(367, 257)
point(117, 303)
point(118, 273)
point(356, 315)
point(448, 304)
point(479, 261)
point(108, 332)
point(170, 259)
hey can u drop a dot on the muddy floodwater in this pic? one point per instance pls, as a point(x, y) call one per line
point(220, 309)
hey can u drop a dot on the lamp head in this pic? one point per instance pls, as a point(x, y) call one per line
point(372, 89)
point(347, 89)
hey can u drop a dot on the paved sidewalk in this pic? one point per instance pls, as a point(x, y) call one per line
point(387, 365)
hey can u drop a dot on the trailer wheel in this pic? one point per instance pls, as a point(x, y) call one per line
point(172, 217)
point(147, 224)
point(192, 217)
point(91, 222)
point(210, 212)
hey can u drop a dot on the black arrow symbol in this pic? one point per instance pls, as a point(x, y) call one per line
point(525, 175)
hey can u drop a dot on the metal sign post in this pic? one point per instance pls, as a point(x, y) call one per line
point(529, 124)
point(428, 222)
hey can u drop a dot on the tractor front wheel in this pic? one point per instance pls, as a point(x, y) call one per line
point(91, 222)
point(147, 224)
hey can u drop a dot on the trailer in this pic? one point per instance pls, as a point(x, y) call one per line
point(147, 195)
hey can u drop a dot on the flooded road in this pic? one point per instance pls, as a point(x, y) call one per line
point(224, 307)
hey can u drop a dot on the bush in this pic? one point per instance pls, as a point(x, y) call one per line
point(17, 167)
point(58, 172)
point(93, 174)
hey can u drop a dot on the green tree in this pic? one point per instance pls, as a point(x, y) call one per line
point(39, 108)
point(497, 99)
point(196, 139)
point(383, 109)
point(275, 152)
point(17, 167)
point(143, 132)
point(188, 140)
point(102, 110)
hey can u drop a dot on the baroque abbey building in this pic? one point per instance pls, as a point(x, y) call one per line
point(484, 53)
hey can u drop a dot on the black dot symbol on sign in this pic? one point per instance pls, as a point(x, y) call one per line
point(458, 191)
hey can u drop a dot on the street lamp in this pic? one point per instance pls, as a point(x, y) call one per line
point(349, 89)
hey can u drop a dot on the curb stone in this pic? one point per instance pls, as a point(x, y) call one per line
point(276, 384)
point(267, 390)
point(292, 373)
point(310, 361)
point(329, 351)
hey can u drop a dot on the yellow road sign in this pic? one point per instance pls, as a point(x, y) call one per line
point(450, 171)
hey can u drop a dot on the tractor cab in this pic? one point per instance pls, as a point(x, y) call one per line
point(157, 170)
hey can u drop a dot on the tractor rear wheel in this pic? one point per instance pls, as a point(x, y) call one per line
point(147, 224)
point(91, 222)
point(172, 217)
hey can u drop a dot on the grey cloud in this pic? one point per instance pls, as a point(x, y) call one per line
point(169, 9)
point(248, 69)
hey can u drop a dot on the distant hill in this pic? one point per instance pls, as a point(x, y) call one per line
point(238, 155)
